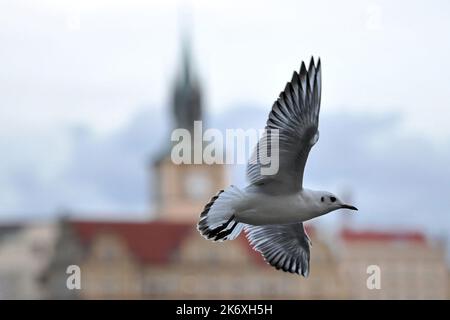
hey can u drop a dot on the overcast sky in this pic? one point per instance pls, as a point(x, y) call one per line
point(84, 89)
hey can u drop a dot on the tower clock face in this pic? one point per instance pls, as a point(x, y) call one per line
point(197, 185)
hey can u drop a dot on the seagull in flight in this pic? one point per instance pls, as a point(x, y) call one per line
point(272, 208)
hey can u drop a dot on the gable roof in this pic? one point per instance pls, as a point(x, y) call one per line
point(150, 242)
point(382, 236)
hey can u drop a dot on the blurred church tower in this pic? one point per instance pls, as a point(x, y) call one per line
point(183, 190)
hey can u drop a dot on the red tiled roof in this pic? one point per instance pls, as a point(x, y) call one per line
point(385, 236)
point(151, 242)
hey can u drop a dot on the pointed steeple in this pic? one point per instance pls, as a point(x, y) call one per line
point(187, 95)
point(181, 190)
point(186, 58)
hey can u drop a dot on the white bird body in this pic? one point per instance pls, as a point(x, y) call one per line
point(274, 206)
point(262, 209)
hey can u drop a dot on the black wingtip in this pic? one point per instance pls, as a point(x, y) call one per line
point(295, 78)
point(303, 69)
point(311, 62)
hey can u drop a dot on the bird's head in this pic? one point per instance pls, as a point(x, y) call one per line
point(329, 202)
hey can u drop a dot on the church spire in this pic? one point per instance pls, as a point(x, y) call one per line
point(186, 58)
point(187, 95)
point(182, 189)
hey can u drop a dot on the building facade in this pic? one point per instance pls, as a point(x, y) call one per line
point(410, 266)
point(170, 260)
point(24, 256)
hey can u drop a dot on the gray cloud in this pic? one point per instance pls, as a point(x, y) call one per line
point(103, 174)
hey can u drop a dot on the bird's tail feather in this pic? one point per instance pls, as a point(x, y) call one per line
point(217, 221)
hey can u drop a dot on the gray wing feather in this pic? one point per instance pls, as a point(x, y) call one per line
point(285, 247)
point(295, 115)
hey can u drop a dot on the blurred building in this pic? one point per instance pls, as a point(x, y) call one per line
point(169, 260)
point(411, 267)
point(24, 255)
point(182, 189)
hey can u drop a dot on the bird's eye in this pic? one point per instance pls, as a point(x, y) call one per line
point(322, 199)
point(333, 199)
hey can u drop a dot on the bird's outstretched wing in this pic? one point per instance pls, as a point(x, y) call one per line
point(295, 114)
point(284, 246)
